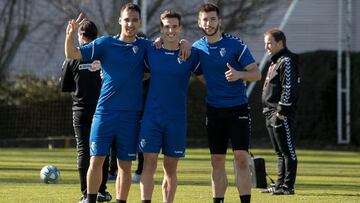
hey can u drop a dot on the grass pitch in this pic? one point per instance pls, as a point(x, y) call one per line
point(323, 176)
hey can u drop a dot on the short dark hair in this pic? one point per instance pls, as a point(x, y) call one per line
point(209, 7)
point(131, 6)
point(169, 14)
point(277, 34)
point(88, 29)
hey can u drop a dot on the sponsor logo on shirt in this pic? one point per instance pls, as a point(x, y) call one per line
point(131, 154)
point(178, 152)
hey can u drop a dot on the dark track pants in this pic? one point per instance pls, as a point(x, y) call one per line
point(281, 134)
point(82, 125)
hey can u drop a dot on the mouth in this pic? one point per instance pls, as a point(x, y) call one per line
point(171, 35)
point(130, 29)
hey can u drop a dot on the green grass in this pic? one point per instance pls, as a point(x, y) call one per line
point(323, 176)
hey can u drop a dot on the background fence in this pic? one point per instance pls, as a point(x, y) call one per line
point(34, 112)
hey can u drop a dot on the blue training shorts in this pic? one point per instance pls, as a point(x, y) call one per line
point(159, 132)
point(121, 126)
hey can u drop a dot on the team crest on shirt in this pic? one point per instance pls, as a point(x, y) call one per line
point(135, 49)
point(180, 60)
point(142, 143)
point(222, 52)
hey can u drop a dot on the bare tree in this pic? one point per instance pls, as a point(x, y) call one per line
point(15, 24)
point(48, 18)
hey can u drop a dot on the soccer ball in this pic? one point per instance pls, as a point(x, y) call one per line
point(50, 174)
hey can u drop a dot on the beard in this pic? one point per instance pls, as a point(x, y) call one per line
point(211, 34)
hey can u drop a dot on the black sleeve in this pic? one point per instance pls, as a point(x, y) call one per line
point(289, 85)
point(67, 82)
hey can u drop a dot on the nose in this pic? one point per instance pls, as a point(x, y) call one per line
point(207, 23)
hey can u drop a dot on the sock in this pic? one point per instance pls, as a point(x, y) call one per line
point(91, 198)
point(245, 198)
point(218, 200)
point(120, 201)
point(145, 201)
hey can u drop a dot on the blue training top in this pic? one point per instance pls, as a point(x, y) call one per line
point(169, 81)
point(123, 70)
point(213, 59)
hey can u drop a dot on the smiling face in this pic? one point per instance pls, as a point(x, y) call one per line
point(271, 46)
point(130, 23)
point(170, 30)
point(209, 23)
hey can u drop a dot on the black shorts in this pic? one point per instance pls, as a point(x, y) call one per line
point(224, 124)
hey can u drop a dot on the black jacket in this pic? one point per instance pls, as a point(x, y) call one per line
point(84, 85)
point(280, 90)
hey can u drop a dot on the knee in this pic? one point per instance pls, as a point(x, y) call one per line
point(291, 156)
point(170, 168)
point(169, 172)
point(241, 161)
point(218, 161)
point(150, 164)
point(96, 163)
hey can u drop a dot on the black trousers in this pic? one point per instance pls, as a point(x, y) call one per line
point(281, 134)
point(140, 165)
point(82, 125)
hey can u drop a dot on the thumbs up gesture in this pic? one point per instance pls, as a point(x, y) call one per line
point(232, 75)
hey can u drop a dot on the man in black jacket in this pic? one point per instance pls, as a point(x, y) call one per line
point(84, 83)
point(279, 97)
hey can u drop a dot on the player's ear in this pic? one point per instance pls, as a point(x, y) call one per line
point(119, 20)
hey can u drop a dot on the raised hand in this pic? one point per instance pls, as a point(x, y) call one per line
point(232, 75)
point(73, 24)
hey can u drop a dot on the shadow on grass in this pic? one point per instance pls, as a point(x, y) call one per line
point(34, 180)
point(35, 169)
point(338, 187)
point(330, 194)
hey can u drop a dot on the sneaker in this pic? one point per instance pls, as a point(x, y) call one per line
point(104, 197)
point(268, 190)
point(284, 191)
point(136, 178)
point(111, 177)
point(83, 199)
